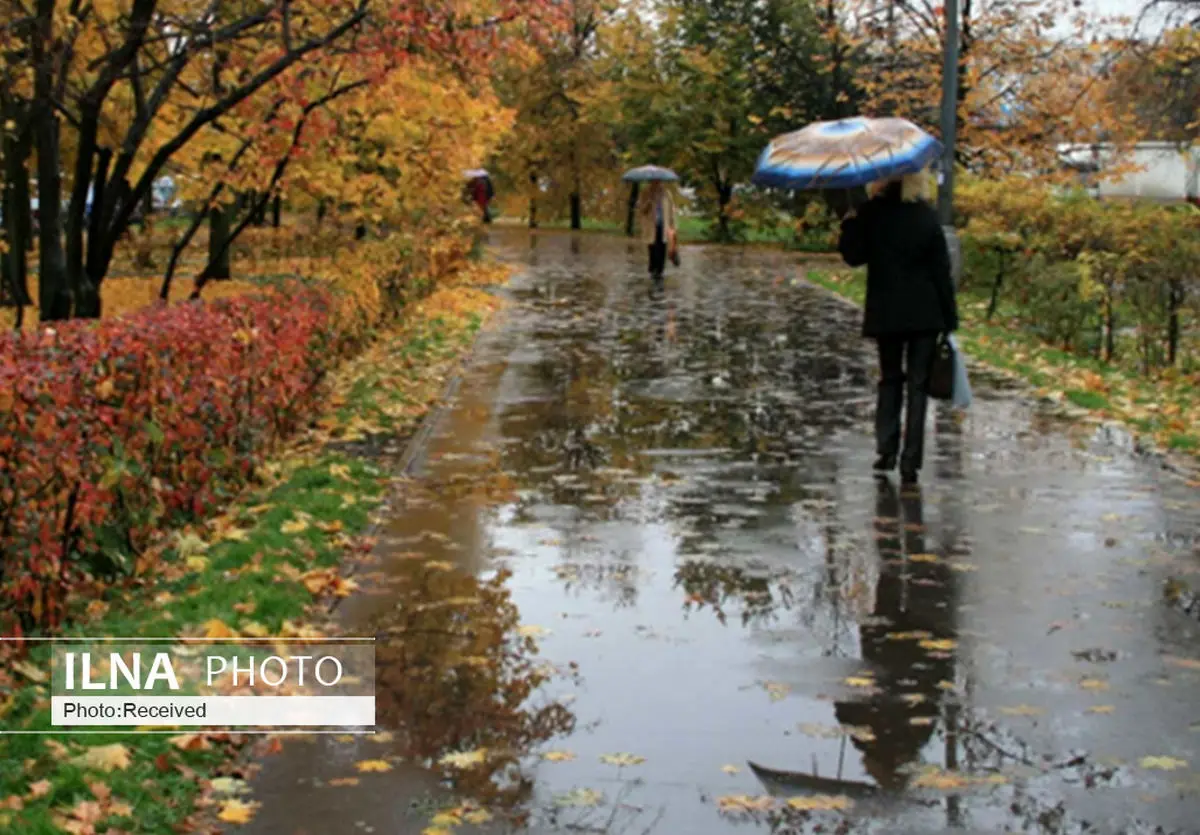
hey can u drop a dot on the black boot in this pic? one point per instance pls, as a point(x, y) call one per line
point(888, 405)
point(914, 436)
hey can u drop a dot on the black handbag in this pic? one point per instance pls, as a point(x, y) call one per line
point(940, 384)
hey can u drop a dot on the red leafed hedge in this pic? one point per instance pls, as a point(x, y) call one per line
point(112, 430)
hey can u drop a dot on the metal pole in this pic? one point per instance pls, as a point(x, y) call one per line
point(949, 131)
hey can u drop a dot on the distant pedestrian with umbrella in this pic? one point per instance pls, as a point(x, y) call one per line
point(896, 234)
point(481, 191)
point(656, 215)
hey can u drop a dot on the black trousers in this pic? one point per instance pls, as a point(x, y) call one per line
point(904, 368)
point(658, 254)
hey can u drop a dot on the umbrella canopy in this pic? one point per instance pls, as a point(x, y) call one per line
point(476, 173)
point(845, 154)
point(649, 174)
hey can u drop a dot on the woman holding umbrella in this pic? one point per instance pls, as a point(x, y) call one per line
point(910, 302)
point(896, 234)
point(657, 216)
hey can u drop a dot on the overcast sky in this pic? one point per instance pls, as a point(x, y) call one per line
point(1114, 8)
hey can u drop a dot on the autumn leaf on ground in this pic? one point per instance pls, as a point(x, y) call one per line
point(237, 811)
point(464, 759)
point(113, 757)
point(942, 645)
point(40, 789)
point(1162, 763)
point(858, 681)
point(31, 672)
point(190, 545)
point(294, 526)
point(340, 471)
point(368, 766)
point(731, 769)
point(622, 759)
point(339, 782)
point(216, 628)
point(1093, 684)
point(923, 557)
point(584, 798)
point(741, 803)
point(935, 778)
point(532, 631)
point(1101, 709)
point(189, 742)
point(820, 803)
point(229, 785)
point(558, 756)
point(236, 535)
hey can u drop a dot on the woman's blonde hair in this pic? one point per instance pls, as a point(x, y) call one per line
point(913, 187)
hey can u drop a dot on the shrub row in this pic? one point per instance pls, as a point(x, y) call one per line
point(110, 431)
point(1114, 280)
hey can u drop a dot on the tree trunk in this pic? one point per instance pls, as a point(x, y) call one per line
point(724, 197)
point(18, 226)
point(631, 210)
point(533, 192)
point(219, 222)
point(1174, 302)
point(576, 211)
point(53, 291)
point(85, 278)
point(276, 210)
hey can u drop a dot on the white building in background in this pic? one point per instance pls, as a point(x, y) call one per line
point(1164, 172)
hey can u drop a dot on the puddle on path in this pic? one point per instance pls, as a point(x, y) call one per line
point(678, 483)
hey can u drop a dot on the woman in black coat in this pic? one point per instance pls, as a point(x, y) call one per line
point(910, 302)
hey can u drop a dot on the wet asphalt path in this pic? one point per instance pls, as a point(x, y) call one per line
point(679, 482)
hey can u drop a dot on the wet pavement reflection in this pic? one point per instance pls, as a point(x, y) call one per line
point(668, 490)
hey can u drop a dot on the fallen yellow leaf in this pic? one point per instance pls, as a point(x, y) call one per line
point(217, 629)
point(923, 557)
point(31, 672)
point(344, 781)
point(943, 645)
point(1101, 709)
point(731, 769)
point(532, 631)
point(859, 681)
point(1163, 763)
point(293, 527)
point(113, 757)
point(745, 803)
point(368, 766)
point(820, 803)
point(464, 759)
point(237, 811)
point(558, 756)
point(1093, 684)
point(622, 759)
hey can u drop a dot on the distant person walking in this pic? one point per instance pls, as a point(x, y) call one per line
point(910, 302)
point(657, 215)
point(482, 193)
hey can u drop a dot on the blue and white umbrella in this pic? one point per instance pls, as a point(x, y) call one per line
point(845, 154)
point(650, 174)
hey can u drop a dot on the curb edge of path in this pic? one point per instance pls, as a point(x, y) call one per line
point(418, 443)
point(1148, 451)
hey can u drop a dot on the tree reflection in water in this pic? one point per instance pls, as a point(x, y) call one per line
point(455, 675)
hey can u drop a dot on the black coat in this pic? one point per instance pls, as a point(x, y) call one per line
point(909, 288)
